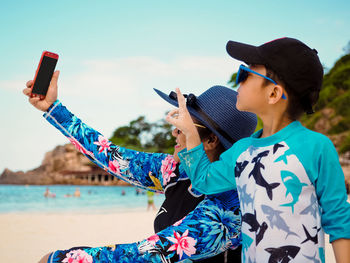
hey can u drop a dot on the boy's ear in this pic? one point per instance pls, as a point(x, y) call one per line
point(211, 142)
point(275, 94)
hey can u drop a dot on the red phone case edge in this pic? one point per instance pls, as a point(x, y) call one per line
point(48, 54)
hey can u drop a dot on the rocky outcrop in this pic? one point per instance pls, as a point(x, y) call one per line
point(63, 165)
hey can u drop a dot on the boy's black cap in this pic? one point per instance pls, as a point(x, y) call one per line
point(297, 65)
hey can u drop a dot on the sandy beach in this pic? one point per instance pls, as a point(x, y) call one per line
point(26, 237)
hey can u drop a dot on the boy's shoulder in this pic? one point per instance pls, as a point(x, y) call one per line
point(241, 144)
point(305, 135)
point(310, 145)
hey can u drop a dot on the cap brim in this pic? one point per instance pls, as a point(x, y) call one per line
point(244, 52)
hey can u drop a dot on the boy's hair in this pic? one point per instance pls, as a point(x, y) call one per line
point(296, 65)
point(296, 107)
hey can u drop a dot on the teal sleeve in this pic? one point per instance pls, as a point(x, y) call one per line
point(207, 177)
point(331, 193)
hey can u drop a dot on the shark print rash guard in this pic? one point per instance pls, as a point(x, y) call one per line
point(291, 189)
point(200, 228)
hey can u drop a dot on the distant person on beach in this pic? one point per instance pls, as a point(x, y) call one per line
point(123, 192)
point(77, 192)
point(150, 201)
point(48, 193)
point(189, 225)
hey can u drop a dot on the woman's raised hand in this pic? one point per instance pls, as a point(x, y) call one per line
point(182, 120)
point(50, 97)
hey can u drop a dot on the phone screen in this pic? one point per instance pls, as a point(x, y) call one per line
point(44, 75)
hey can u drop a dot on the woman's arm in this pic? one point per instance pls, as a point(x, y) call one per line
point(146, 170)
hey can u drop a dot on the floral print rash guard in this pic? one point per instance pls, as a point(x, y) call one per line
point(210, 226)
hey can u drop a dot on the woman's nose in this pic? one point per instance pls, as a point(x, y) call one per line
point(175, 132)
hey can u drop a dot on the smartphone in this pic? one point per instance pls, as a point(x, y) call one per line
point(44, 74)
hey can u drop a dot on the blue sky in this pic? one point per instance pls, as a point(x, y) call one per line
point(113, 53)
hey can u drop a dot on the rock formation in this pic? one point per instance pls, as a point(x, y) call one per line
point(62, 165)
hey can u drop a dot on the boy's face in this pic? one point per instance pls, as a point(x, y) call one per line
point(252, 93)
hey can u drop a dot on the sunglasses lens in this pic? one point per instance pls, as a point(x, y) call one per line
point(241, 75)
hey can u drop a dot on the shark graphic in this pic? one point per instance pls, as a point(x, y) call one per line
point(282, 254)
point(276, 220)
point(246, 241)
point(314, 259)
point(293, 185)
point(309, 237)
point(252, 149)
point(240, 167)
point(276, 146)
point(284, 156)
point(312, 208)
point(256, 173)
point(251, 220)
point(245, 198)
point(322, 255)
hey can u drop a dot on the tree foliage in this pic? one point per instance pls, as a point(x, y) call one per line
point(335, 95)
point(141, 135)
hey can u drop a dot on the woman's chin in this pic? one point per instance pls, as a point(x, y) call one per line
point(177, 149)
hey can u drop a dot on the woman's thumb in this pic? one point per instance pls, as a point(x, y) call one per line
point(54, 78)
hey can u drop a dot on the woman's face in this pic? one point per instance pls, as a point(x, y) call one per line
point(180, 143)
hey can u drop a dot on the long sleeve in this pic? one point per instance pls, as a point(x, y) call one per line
point(207, 177)
point(331, 193)
point(146, 170)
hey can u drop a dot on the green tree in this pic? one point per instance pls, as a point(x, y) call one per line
point(232, 80)
point(141, 135)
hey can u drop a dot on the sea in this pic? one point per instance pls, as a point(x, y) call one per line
point(93, 199)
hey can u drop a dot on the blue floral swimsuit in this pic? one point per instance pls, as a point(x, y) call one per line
point(211, 228)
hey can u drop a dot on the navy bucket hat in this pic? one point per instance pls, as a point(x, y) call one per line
point(216, 109)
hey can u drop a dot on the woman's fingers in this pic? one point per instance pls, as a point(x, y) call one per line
point(34, 100)
point(174, 113)
point(172, 116)
point(180, 99)
point(29, 83)
point(27, 91)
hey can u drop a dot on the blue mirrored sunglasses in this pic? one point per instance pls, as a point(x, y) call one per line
point(243, 73)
